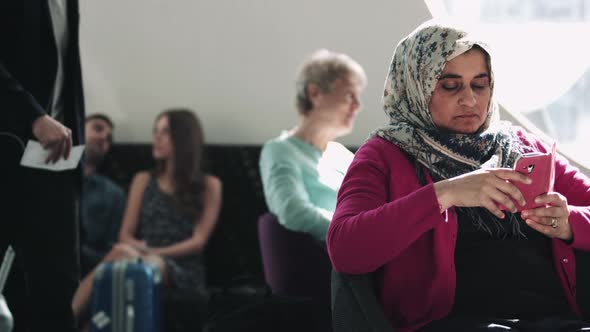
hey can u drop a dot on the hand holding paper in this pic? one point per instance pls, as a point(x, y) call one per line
point(35, 156)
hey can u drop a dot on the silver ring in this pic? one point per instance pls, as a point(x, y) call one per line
point(554, 223)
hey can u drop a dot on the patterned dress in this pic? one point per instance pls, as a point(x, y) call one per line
point(161, 225)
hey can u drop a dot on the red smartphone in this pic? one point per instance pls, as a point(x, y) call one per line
point(540, 167)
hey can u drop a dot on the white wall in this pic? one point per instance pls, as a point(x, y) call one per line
point(232, 61)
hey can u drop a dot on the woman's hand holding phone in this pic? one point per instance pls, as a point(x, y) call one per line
point(552, 218)
point(539, 168)
point(502, 188)
point(483, 188)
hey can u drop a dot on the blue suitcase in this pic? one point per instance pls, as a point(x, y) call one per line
point(126, 297)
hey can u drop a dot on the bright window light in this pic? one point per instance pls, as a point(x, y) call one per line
point(541, 60)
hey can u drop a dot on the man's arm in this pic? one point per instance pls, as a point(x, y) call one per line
point(117, 208)
point(22, 113)
point(19, 107)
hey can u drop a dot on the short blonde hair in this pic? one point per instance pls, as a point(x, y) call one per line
point(323, 68)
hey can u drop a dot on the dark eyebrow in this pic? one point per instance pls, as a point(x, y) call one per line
point(452, 76)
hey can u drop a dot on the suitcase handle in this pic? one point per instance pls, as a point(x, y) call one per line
point(5, 268)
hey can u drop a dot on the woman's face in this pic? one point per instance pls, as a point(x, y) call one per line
point(459, 103)
point(338, 108)
point(162, 148)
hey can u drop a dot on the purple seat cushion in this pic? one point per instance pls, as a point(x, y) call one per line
point(295, 264)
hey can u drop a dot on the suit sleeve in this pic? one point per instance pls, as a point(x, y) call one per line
point(19, 108)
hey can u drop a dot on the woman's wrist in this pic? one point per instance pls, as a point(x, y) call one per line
point(156, 251)
point(441, 190)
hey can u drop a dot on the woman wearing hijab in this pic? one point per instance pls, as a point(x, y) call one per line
point(419, 205)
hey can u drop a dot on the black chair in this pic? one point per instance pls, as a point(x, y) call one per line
point(355, 307)
point(583, 282)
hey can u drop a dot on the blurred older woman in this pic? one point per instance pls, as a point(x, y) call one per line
point(303, 168)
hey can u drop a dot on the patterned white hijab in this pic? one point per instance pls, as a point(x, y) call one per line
point(417, 64)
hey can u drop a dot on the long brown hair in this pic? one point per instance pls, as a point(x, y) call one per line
point(189, 163)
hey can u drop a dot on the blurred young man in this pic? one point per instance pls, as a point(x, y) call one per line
point(103, 201)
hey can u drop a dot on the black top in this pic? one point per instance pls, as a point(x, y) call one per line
point(161, 225)
point(504, 276)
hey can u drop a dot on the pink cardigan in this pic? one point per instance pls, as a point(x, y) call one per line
point(385, 220)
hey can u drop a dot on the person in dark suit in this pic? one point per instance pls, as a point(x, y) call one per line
point(41, 98)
